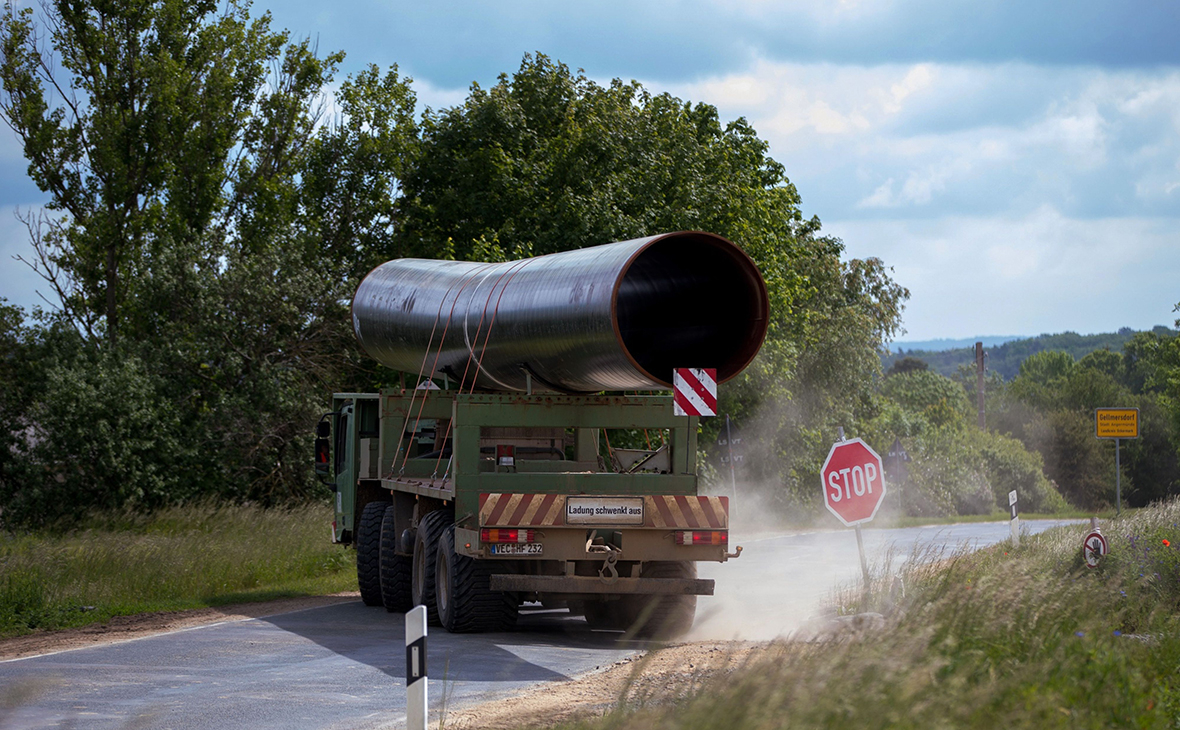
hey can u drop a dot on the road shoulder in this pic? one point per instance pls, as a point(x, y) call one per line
point(656, 676)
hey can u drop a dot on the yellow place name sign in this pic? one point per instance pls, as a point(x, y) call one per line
point(1116, 423)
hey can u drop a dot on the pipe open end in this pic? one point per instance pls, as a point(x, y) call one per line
point(691, 300)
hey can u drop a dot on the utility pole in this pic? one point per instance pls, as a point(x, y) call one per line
point(979, 384)
point(729, 447)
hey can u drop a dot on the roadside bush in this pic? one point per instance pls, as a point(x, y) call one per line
point(1080, 464)
point(100, 437)
point(961, 470)
point(955, 468)
point(1009, 465)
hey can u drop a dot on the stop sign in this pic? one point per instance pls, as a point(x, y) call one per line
point(853, 482)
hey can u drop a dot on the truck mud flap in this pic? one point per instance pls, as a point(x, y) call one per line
point(590, 584)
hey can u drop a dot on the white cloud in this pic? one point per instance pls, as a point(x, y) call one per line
point(917, 79)
point(920, 186)
point(1029, 274)
point(437, 97)
point(785, 99)
point(935, 139)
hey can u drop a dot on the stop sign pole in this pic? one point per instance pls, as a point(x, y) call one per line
point(853, 486)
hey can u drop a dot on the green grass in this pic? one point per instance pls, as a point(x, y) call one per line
point(185, 557)
point(907, 521)
point(1006, 637)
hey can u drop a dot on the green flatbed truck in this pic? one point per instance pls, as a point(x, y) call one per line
point(490, 481)
point(527, 505)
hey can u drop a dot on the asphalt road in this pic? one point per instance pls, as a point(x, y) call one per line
point(342, 665)
point(335, 666)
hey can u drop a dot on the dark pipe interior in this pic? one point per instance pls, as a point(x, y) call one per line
point(691, 300)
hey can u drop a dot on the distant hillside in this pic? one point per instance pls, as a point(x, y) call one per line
point(947, 344)
point(1005, 359)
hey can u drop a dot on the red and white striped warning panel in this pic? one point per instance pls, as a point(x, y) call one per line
point(550, 510)
point(513, 510)
point(695, 391)
point(709, 513)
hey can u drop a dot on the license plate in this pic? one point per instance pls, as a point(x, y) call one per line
point(517, 548)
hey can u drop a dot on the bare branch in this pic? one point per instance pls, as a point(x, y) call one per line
point(47, 267)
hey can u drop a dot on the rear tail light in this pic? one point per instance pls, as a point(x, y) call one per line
point(701, 537)
point(489, 536)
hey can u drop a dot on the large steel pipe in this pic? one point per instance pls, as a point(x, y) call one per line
point(614, 317)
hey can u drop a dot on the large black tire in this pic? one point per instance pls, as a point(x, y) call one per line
point(396, 570)
point(465, 603)
point(660, 617)
point(368, 552)
point(430, 530)
point(606, 615)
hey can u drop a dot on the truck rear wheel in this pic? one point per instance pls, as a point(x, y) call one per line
point(368, 552)
point(606, 615)
point(430, 529)
point(465, 603)
point(396, 570)
point(662, 616)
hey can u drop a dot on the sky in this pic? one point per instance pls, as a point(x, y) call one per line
point(1016, 164)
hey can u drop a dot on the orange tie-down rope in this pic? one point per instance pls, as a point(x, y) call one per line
point(468, 278)
point(511, 273)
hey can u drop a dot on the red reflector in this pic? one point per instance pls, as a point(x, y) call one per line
point(701, 537)
point(489, 535)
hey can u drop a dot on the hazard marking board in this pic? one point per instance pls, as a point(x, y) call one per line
point(520, 510)
point(708, 513)
point(655, 511)
point(695, 391)
point(1093, 548)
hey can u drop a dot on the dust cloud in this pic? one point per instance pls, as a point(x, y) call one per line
point(795, 579)
point(795, 557)
point(784, 579)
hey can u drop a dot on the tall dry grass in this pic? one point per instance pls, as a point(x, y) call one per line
point(1006, 637)
point(184, 557)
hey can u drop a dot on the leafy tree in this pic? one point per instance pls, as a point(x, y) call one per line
point(907, 365)
point(1151, 369)
point(1051, 408)
point(1147, 358)
point(1151, 463)
point(206, 223)
point(1104, 361)
point(137, 121)
point(1077, 462)
point(349, 181)
point(938, 398)
point(1044, 368)
point(18, 374)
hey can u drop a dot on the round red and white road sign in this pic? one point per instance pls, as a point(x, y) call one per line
point(1094, 547)
point(853, 482)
